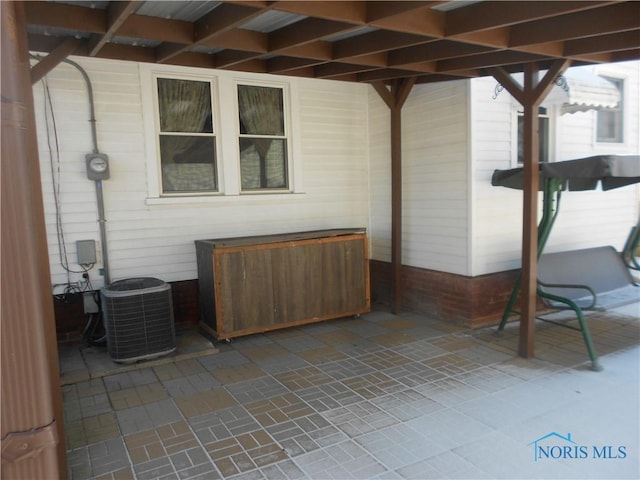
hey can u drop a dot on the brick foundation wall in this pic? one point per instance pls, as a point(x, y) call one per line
point(71, 320)
point(472, 301)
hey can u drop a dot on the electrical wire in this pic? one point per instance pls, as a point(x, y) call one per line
point(54, 162)
point(83, 286)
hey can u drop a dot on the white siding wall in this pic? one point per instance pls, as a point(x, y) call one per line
point(435, 177)
point(379, 177)
point(454, 136)
point(155, 238)
point(586, 218)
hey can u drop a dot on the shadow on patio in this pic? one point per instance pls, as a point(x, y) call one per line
point(380, 396)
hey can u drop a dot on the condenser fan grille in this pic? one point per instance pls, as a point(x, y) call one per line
point(138, 317)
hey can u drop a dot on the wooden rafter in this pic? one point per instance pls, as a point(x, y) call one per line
point(48, 63)
point(117, 13)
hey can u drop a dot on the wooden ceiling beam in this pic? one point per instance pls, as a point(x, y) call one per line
point(223, 18)
point(157, 29)
point(239, 39)
point(336, 69)
point(493, 14)
point(254, 65)
point(551, 49)
point(342, 11)
point(372, 42)
point(318, 50)
point(115, 51)
point(438, 50)
point(192, 59)
point(427, 22)
point(385, 74)
point(495, 38)
point(615, 18)
point(625, 55)
point(379, 10)
point(304, 31)
point(117, 13)
point(378, 59)
point(602, 43)
point(348, 77)
point(602, 57)
point(265, 4)
point(305, 72)
point(485, 60)
point(284, 64)
point(46, 44)
point(66, 16)
point(57, 55)
point(439, 77)
point(422, 67)
point(228, 58)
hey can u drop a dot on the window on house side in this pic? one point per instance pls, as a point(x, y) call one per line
point(543, 136)
point(263, 138)
point(610, 120)
point(186, 138)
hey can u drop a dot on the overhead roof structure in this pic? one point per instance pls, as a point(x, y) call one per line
point(359, 41)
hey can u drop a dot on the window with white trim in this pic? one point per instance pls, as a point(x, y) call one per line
point(262, 138)
point(610, 121)
point(186, 138)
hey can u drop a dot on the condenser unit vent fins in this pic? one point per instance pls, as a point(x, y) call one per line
point(138, 318)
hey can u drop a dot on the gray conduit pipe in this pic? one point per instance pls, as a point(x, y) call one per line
point(99, 196)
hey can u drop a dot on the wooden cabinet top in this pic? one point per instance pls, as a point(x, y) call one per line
point(282, 237)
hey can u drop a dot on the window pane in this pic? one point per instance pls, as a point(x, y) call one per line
point(543, 139)
point(263, 163)
point(184, 106)
point(188, 163)
point(610, 126)
point(261, 110)
point(609, 121)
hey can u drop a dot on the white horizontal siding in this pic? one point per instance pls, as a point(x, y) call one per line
point(434, 177)
point(379, 177)
point(157, 239)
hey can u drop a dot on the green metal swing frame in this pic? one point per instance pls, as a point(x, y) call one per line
point(552, 192)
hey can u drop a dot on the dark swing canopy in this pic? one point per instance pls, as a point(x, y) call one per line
point(611, 171)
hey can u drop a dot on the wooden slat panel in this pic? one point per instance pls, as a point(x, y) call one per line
point(297, 281)
point(334, 285)
point(246, 290)
point(264, 286)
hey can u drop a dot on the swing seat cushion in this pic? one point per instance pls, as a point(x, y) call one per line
point(592, 278)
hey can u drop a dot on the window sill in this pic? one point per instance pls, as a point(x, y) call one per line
point(221, 198)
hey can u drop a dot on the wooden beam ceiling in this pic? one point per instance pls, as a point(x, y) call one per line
point(351, 40)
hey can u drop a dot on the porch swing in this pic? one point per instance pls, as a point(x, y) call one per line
point(593, 278)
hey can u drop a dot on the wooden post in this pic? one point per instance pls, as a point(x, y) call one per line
point(530, 213)
point(530, 97)
point(395, 98)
